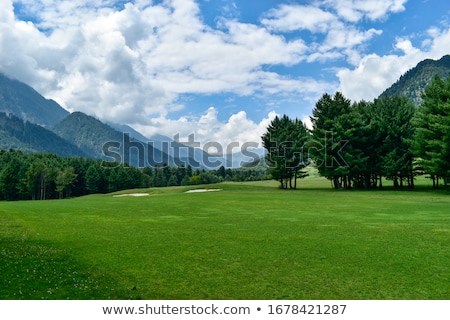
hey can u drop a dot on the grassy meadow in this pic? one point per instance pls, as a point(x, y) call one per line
point(247, 241)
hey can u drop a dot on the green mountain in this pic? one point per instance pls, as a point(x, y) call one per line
point(99, 140)
point(86, 132)
point(24, 102)
point(18, 134)
point(412, 84)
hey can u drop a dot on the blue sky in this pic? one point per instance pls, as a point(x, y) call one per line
point(220, 69)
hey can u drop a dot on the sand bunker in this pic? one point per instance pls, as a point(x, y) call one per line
point(202, 190)
point(132, 195)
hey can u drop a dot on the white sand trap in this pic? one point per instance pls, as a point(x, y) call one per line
point(132, 195)
point(202, 190)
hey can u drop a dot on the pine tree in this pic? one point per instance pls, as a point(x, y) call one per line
point(35, 178)
point(9, 180)
point(285, 141)
point(432, 136)
point(64, 179)
point(172, 180)
point(93, 179)
point(330, 120)
point(392, 120)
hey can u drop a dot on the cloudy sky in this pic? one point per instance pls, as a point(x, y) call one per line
point(221, 69)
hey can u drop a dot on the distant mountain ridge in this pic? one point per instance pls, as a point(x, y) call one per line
point(412, 84)
point(126, 128)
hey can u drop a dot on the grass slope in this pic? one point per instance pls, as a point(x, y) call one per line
point(248, 241)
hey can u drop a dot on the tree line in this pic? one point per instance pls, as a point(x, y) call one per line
point(356, 145)
point(40, 176)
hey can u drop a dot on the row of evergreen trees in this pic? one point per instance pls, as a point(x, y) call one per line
point(40, 176)
point(356, 145)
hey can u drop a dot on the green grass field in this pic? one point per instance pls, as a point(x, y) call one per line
point(248, 241)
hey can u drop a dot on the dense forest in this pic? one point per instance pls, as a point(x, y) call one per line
point(356, 145)
point(39, 176)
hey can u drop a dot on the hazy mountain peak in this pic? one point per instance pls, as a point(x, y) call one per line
point(26, 103)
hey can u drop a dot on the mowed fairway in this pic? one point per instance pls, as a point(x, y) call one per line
point(248, 241)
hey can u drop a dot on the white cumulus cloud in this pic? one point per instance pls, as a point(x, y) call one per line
point(131, 62)
point(355, 10)
point(298, 17)
point(238, 128)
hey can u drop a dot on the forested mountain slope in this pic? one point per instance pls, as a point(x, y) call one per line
point(412, 84)
point(18, 134)
point(24, 102)
point(91, 135)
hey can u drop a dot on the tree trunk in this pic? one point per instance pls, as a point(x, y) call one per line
point(395, 182)
point(290, 181)
point(295, 179)
point(345, 182)
point(337, 184)
point(42, 196)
